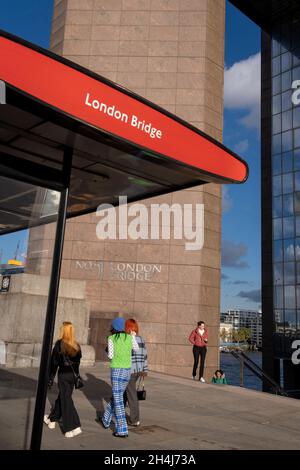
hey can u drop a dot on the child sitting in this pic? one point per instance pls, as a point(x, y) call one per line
point(219, 377)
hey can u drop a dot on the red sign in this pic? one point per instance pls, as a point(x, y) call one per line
point(112, 110)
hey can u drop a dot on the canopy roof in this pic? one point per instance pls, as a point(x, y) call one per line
point(121, 144)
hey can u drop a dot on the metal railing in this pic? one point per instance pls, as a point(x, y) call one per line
point(245, 361)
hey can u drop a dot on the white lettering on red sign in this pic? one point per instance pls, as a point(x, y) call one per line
point(132, 120)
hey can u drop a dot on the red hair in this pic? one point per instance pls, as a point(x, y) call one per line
point(131, 325)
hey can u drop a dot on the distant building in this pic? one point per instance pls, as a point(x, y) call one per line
point(251, 319)
point(225, 332)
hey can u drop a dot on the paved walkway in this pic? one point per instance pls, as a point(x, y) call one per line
point(178, 414)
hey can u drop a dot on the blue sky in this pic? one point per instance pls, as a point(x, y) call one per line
point(31, 19)
point(241, 237)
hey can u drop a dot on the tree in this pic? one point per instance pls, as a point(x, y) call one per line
point(223, 335)
point(235, 336)
point(245, 334)
point(242, 335)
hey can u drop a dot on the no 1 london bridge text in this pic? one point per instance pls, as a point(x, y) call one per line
point(115, 113)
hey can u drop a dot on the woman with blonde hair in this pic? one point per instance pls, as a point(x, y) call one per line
point(65, 357)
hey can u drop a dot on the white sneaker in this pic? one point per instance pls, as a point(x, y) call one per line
point(202, 380)
point(76, 431)
point(50, 424)
point(69, 434)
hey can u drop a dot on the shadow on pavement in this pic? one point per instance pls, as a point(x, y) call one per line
point(96, 391)
point(14, 386)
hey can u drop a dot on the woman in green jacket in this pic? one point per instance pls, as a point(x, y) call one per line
point(219, 377)
point(120, 345)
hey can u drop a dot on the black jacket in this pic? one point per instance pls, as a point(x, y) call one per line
point(62, 361)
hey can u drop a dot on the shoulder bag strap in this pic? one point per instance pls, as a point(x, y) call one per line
point(70, 364)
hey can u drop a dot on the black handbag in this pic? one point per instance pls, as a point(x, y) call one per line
point(78, 382)
point(141, 393)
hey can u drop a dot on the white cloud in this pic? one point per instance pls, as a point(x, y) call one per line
point(242, 146)
point(226, 199)
point(232, 253)
point(242, 89)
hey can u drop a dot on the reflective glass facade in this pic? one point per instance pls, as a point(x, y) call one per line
point(285, 167)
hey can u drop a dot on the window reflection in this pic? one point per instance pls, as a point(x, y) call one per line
point(276, 124)
point(286, 61)
point(275, 47)
point(276, 144)
point(278, 253)
point(279, 322)
point(297, 226)
point(297, 181)
point(287, 162)
point(289, 297)
point(287, 141)
point(277, 189)
point(277, 228)
point(297, 159)
point(297, 202)
point(277, 206)
point(287, 121)
point(276, 66)
point(286, 191)
point(296, 116)
point(288, 227)
point(276, 164)
point(287, 183)
point(290, 321)
point(276, 85)
point(288, 205)
point(289, 250)
point(289, 273)
point(297, 137)
point(296, 73)
point(50, 203)
point(278, 273)
point(286, 80)
point(296, 57)
point(286, 100)
point(278, 297)
point(298, 275)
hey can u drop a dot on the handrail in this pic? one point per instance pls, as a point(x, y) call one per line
point(258, 371)
point(263, 373)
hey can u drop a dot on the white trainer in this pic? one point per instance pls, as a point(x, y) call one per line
point(69, 434)
point(76, 431)
point(50, 424)
point(202, 380)
point(46, 419)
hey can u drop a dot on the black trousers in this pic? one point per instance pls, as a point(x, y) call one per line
point(64, 407)
point(132, 399)
point(199, 351)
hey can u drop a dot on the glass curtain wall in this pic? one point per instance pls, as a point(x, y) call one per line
point(23, 303)
point(286, 184)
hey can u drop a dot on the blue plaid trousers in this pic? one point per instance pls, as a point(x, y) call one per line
point(119, 382)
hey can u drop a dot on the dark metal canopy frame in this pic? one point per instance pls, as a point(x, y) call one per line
point(64, 128)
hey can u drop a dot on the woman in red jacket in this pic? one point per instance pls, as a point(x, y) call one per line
point(199, 338)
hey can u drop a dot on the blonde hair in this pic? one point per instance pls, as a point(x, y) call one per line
point(67, 336)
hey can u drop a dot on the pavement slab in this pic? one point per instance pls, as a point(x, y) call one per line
point(178, 414)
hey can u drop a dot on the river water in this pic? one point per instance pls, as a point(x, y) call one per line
point(231, 367)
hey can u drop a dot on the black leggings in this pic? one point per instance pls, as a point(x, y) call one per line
point(64, 407)
point(199, 351)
